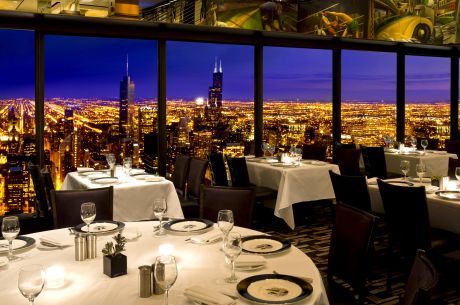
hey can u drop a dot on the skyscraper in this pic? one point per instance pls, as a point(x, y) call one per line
point(215, 91)
point(126, 98)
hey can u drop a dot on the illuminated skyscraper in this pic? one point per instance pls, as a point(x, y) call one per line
point(126, 98)
point(68, 121)
point(215, 91)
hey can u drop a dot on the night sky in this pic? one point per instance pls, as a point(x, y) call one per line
point(85, 67)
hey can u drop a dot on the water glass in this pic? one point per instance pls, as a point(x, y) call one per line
point(165, 273)
point(127, 165)
point(424, 144)
point(404, 166)
point(10, 229)
point(264, 147)
point(413, 143)
point(420, 169)
point(225, 221)
point(159, 209)
point(111, 160)
point(88, 213)
point(232, 249)
point(31, 281)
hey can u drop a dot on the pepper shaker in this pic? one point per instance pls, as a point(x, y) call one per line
point(91, 246)
point(155, 287)
point(145, 281)
point(80, 248)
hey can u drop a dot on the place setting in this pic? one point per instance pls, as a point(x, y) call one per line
point(11, 243)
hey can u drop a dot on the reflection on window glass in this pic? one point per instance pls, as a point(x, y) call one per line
point(297, 97)
point(17, 121)
point(100, 98)
point(368, 97)
point(428, 99)
point(210, 100)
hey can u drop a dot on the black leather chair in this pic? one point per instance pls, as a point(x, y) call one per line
point(314, 152)
point(180, 174)
point(66, 205)
point(351, 190)
point(348, 161)
point(218, 170)
point(351, 248)
point(239, 200)
point(453, 164)
point(422, 281)
point(374, 162)
point(197, 171)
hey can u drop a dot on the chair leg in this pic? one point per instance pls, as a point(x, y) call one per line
point(389, 268)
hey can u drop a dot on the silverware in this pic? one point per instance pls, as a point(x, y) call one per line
point(72, 231)
point(305, 278)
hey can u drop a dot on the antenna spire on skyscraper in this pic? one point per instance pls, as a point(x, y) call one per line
point(127, 65)
point(215, 65)
point(220, 65)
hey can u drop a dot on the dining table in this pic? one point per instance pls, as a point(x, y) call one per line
point(132, 197)
point(197, 263)
point(306, 181)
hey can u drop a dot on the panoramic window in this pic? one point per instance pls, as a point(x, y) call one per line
point(100, 98)
point(297, 97)
point(210, 100)
point(17, 121)
point(368, 97)
point(428, 99)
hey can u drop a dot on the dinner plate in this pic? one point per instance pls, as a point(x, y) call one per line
point(105, 180)
point(319, 163)
point(142, 176)
point(20, 243)
point(136, 171)
point(417, 179)
point(188, 226)
point(274, 289)
point(250, 268)
point(308, 161)
point(264, 244)
point(92, 172)
point(284, 165)
point(100, 227)
point(400, 183)
point(449, 195)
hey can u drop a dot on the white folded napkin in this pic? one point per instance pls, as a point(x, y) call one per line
point(55, 241)
point(207, 296)
point(249, 261)
point(372, 181)
point(430, 189)
point(84, 169)
point(3, 261)
point(208, 238)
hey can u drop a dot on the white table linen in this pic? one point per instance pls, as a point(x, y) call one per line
point(304, 183)
point(201, 265)
point(132, 199)
point(436, 162)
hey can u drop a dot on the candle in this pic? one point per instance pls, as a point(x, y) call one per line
point(55, 277)
point(166, 249)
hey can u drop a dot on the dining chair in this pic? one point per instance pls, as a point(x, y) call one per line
point(374, 162)
point(453, 147)
point(351, 190)
point(218, 170)
point(239, 200)
point(314, 152)
point(453, 164)
point(406, 215)
point(422, 280)
point(196, 174)
point(348, 160)
point(66, 205)
point(42, 204)
point(350, 251)
point(180, 174)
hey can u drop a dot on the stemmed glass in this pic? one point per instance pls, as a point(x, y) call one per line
point(31, 281)
point(404, 166)
point(424, 144)
point(127, 165)
point(420, 169)
point(159, 209)
point(271, 149)
point(88, 213)
point(413, 143)
point(225, 222)
point(165, 273)
point(264, 147)
point(10, 229)
point(111, 162)
point(457, 173)
point(232, 249)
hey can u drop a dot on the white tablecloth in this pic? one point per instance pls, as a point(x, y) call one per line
point(132, 199)
point(444, 214)
point(197, 264)
point(436, 162)
point(304, 183)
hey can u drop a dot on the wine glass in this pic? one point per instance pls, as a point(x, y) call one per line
point(424, 144)
point(127, 165)
point(110, 160)
point(31, 281)
point(264, 148)
point(457, 173)
point(413, 143)
point(232, 249)
point(271, 149)
point(159, 209)
point(420, 169)
point(225, 221)
point(165, 273)
point(404, 166)
point(10, 229)
point(88, 213)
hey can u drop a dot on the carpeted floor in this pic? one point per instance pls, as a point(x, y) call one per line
point(312, 236)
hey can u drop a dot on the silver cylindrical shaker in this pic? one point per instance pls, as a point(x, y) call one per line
point(155, 287)
point(80, 248)
point(91, 247)
point(145, 281)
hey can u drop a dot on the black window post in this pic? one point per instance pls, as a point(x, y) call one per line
point(336, 96)
point(400, 95)
point(258, 99)
point(39, 98)
point(162, 147)
point(454, 96)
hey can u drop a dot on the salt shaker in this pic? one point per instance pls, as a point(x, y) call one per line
point(145, 281)
point(80, 248)
point(155, 287)
point(91, 247)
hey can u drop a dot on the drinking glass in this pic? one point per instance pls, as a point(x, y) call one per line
point(88, 213)
point(165, 273)
point(232, 249)
point(159, 209)
point(127, 165)
point(413, 143)
point(264, 147)
point(225, 221)
point(420, 169)
point(404, 166)
point(271, 149)
point(110, 160)
point(31, 281)
point(424, 144)
point(457, 173)
point(10, 229)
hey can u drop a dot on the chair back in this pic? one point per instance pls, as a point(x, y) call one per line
point(421, 282)
point(374, 162)
point(66, 205)
point(218, 170)
point(453, 164)
point(453, 147)
point(239, 200)
point(196, 174)
point(348, 161)
point(179, 177)
point(351, 244)
point(238, 171)
point(406, 214)
point(42, 205)
point(314, 152)
point(351, 190)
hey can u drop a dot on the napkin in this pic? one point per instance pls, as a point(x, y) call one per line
point(372, 181)
point(3, 261)
point(207, 296)
point(55, 241)
point(249, 261)
point(84, 169)
point(430, 189)
point(207, 238)
point(154, 179)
